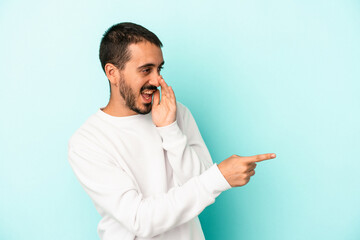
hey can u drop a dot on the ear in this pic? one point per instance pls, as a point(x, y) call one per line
point(112, 73)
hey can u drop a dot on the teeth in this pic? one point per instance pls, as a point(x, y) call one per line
point(147, 92)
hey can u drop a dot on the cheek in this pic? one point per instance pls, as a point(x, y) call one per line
point(136, 82)
point(136, 86)
point(140, 84)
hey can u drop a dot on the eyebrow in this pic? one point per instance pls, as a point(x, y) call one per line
point(151, 65)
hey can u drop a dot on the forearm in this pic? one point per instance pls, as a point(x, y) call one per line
point(158, 214)
point(188, 157)
point(150, 216)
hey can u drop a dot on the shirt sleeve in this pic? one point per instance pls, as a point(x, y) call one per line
point(185, 148)
point(114, 193)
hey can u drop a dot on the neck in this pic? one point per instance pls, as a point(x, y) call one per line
point(117, 107)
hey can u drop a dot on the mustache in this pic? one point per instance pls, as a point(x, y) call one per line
point(149, 87)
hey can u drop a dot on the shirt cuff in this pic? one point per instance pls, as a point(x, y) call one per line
point(213, 181)
point(170, 132)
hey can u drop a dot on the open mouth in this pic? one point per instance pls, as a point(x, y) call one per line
point(147, 95)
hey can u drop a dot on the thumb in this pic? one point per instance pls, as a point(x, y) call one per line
point(156, 98)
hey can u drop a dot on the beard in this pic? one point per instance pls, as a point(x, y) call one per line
point(130, 97)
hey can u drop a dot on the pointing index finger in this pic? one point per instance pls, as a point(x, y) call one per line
point(262, 157)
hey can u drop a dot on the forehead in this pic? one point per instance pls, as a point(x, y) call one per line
point(145, 52)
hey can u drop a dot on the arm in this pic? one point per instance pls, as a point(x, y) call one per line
point(114, 193)
point(185, 149)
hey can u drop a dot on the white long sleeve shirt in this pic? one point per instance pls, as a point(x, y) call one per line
point(146, 182)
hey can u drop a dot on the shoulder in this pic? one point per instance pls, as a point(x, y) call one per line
point(87, 133)
point(87, 143)
point(184, 116)
point(182, 110)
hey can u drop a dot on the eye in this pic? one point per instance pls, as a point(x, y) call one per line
point(146, 70)
point(160, 68)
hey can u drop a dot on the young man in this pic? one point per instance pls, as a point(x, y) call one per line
point(141, 159)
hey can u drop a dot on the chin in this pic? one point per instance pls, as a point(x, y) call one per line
point(147, 108)
point(144, 109)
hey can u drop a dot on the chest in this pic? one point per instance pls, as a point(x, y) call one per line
point(138, 150)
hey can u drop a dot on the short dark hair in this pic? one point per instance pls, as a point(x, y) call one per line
point(115, 42)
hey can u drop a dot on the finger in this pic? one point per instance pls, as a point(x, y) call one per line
point(156, 98)
point(164, 87)
point(171, 92)
point(252, 165)
point(250, 168)
point(261, 157)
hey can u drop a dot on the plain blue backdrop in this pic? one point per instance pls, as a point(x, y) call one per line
point(259, 76)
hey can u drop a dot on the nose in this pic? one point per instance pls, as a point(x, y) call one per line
point(155, 80)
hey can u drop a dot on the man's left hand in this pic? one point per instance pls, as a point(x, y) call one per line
point(164, 112)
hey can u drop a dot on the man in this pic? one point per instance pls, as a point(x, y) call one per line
point(141, 158)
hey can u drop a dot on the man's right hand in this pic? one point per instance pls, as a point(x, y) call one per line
point(164, 113)
point(237, 170)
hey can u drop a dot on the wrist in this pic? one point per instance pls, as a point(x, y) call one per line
point(223, 172)
point(165, 124)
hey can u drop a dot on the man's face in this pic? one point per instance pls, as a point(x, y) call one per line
point(139, 79)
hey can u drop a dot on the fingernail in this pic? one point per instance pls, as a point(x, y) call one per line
point(273, 155)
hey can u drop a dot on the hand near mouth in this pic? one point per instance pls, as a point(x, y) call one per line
point(164, 112)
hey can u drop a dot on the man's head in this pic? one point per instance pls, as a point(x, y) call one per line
point(131, 58)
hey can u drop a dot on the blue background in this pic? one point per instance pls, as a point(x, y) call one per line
point(259, 76)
